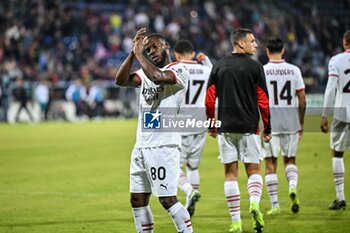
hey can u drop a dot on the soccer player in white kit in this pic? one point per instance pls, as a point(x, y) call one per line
point(338, 87)
point(155, 158)
point(192, 142)
point(287, 107)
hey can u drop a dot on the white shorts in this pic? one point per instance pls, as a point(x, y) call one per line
point(191, 149)
point(244, 147)
point(340, 135)
point(286, 143)
point(155, 170)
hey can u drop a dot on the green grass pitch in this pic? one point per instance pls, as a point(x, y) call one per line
point(63, 177)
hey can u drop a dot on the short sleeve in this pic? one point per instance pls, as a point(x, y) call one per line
point(332, 68)
point(299, 81)
point(181, 74)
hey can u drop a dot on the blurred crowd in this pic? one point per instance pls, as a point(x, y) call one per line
point(62, 41)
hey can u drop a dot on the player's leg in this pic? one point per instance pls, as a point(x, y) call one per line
point(229, 157)
point(178, 213)
point(233, 196)
point(184, 183)
point(292, 177)
point(270, 152)
point(143, 216)
point(140, 192)
point(28, 112)
point(21, 105)
point(271, 181)
point(289, 145)
point(162, 165)
point(340, 141)
point(251, 157)
point(338, 178)
point(195, 151)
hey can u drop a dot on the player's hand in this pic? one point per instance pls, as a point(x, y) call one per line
point(267, 137)
point(213, 132)
point(301, 133)
point(139, 34)
point(201, 56)
point(324, 124)
point(138, 41)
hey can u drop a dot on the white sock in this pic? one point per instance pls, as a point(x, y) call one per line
point(184, 184)
point(292, 175)
point(193, 177)
point(338, 175)
point(255, 183)
point(233, 198)
point(271, 181)
point(181, 218)
point(143, 219)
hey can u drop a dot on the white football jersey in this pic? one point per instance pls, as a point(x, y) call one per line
point(154, 100)
point(283, 81)
point(338, 86)
point(193, 104)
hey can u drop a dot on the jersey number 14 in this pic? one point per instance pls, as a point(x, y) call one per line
point(285, 94)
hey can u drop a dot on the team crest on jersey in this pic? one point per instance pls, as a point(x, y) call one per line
point(152, 120)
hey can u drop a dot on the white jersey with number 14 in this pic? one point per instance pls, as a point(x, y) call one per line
point(283, 81)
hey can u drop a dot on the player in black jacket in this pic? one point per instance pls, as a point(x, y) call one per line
point(239, 83)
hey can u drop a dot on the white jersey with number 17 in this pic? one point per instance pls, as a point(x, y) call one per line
point(283, 81)
point(339, 83)
point(193, 103)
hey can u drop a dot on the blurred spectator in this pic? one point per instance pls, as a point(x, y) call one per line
point(76, 93)
point(95, 99)
point(23, 98)
point(42, 95)
point(88, 40)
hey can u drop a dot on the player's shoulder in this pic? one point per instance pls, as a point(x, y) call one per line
point(172, 64)
point(292, 66)
point(342, 55)
point(255, 64)
point(177, 68)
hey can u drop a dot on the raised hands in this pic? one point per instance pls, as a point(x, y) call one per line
point(138, 41)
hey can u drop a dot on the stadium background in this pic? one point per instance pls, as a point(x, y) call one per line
point(62, 40)
point(64, 177)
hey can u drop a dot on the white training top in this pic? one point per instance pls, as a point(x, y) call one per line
point(338, 86)
point(283, 81)
point(193, 104)
point(157, 99)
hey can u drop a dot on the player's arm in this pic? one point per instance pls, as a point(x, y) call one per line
point(263, 104)
point(302, 107)
point(152, 72)
point(124, 77)
point(201, 57)
point(210, 99)
point(329, 95)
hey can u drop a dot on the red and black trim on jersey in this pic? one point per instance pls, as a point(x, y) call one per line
point(238, 82)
